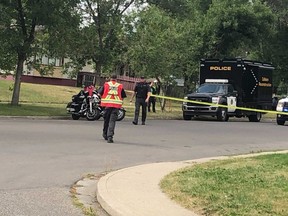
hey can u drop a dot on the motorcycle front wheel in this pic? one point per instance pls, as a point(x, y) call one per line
point(75, 117)
point(121, 114)
point(92, 116)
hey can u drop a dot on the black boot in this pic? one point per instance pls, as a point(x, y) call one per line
point(110, 140)
point(105, 136)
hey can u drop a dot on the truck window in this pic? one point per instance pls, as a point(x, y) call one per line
point(212, 88)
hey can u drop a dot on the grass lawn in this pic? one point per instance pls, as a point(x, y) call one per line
point(37, 93)
point(33, 110)
point(51, 100)
point(243, 186)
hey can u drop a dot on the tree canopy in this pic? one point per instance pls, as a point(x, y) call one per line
point(161, 39)
point(20, 22)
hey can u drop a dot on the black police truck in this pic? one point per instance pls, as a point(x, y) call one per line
point(234, 83)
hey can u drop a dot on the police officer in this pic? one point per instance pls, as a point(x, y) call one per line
point(152, 99)
point(142, 91)
point(112, 99)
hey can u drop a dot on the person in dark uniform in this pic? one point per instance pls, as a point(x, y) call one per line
point(142, 92)
point(112, 95)
point(152, 99)
point(274, 102)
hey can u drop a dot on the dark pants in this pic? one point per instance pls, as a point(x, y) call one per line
point(110, 117)
point(152, 101)
point(140, 102)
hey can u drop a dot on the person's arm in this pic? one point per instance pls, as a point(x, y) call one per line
point(101, 90)
point(148, 94)
point(123, 94)
point(153, 90)
point(134, 93)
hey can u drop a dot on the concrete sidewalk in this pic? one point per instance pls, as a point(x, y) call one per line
point(135, 191)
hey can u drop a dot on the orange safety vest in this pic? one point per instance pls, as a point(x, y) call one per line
point(112, 95)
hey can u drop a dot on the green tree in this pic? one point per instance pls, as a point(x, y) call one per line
point(204, 29)
point(276, 48)
point(20, 22)
point(176, 8)
point(233, 27)
point(182, 8)
point(99, 39)
point(155, 47)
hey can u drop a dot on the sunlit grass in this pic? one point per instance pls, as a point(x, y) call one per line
point(38, 99)
point(37, 93)
point(246, 186)
point(51, 100)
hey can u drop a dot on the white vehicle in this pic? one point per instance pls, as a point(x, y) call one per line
point(282, 106)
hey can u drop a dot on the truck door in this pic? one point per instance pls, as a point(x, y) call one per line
point(231, 99)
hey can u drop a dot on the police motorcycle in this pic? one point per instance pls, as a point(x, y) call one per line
point(84, 105)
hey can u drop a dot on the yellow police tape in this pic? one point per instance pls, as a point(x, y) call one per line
point(220, 105)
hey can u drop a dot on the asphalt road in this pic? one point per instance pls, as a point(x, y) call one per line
point(40, 159)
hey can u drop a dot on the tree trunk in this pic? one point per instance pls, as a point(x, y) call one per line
point(98, 73)
point(186, 84)
point(98, 68)
point(163, 104)
point(161, 91)
point(163, 100)
point(17, 82)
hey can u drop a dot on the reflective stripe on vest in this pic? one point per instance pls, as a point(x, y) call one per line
point(112, 96)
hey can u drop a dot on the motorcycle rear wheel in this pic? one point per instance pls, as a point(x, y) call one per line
point(98, 116)
point(121, 114)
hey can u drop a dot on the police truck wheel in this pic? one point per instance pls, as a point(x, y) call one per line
point(255, 117)
point(186, 117)
point(280, 122)
point(222, 114)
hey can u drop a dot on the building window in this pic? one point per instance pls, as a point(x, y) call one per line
point(59, 62)
point(52, 61)
point(44, 60)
